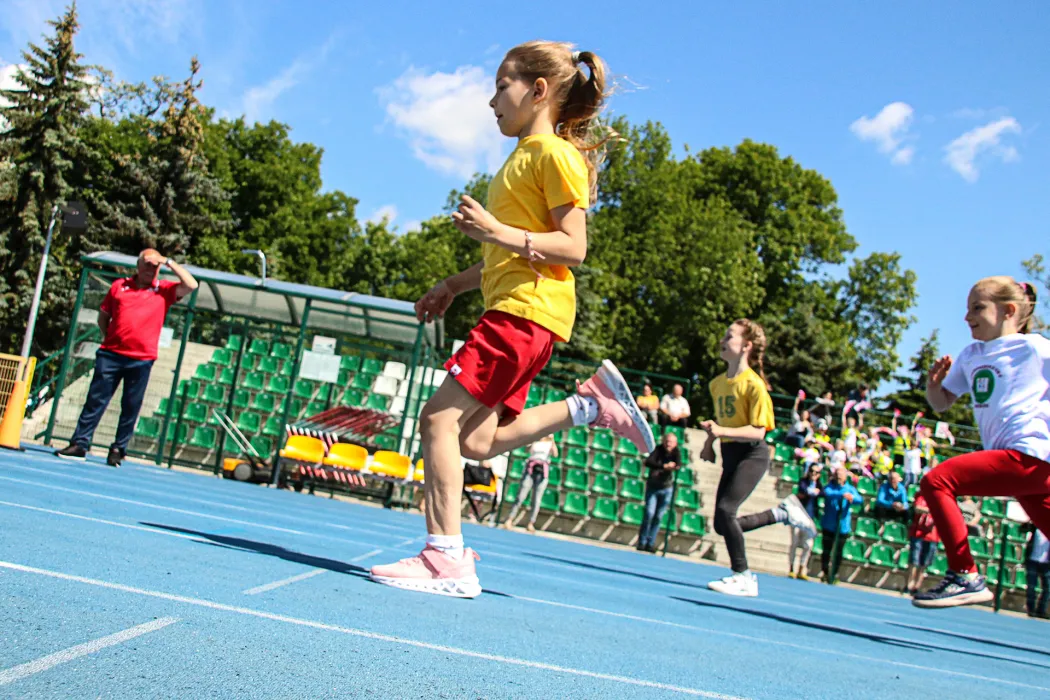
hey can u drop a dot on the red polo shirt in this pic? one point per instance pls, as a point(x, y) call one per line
point(136, 316)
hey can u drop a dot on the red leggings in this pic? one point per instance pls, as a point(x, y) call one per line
point(988, 473)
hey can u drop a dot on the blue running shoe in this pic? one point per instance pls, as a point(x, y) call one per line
point(954, 590)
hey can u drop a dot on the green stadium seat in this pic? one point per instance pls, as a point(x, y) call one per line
point(939, 567)
point(602, 462)
point(686, 498)
point(205, 438)
point(180, 438)
point(345, 377)
point(264, 403)
point(913, 491)
point(517, 469)
point(979, 548)
point(254, 381)
point(288, 370)
point(1014, 534)
point(229, 446)
point(535, 396)
point(853, 551)
point(632, 514)
point(196, 413)
point(867, 487)
point(604, 485)
point(686, 458)
point(263, 445)
point(577, 436)
point(249, 423)
point(386, 441)
point(693, 524)
point(323, 392)
point(626, 447)
point(993, 508)
point(576, 457)
point(214, 394)
point(882, 555)
point(241, 399)
point(259, 347)
point(511, 494)
point(553, 476)
point(632, 490)
point(281, 351)
point(667, 523)
point(895, 532)
point(792, 473)
point(378, 402)
point(351, 363)
point(278, 385)
point(679, 432)
point(522, 452)
point(295, 408)
point(304, 389)
point(371, 365)
point(575, 504)
point(353, 398)
point(233, 343)
point(867, 528)
point(148, 428)
point(685, 477)
point(550, 500)
point(205, 372)
point(190, 388)
point(554, 395)
point(603, 440)
point(1020, 579)
point(629, 466)
point(774, 435)
point(162, 407)
point(818, 545)
point(273, 427)
point(222, 357)
point(576, 480)
point(605, 509)
point(363, 381)
point(227, 376)
point(783, 453)
point(315, 407)
point(1012, 556)
point(269, 365)
point(991, 574)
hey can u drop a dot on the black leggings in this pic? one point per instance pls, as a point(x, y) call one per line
point(743, 466)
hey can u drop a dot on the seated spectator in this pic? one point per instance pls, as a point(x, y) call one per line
point(537, 469)
point(821, 437)
point(838, 456)
point(809, 455)
point(801, 429)
point(649, 403)
point(1037, 569)
point(924, 539)
point(972, 515)
point(836, 524)
point(659, 487)
point(881, 464)
point(808, 494)
point(912, 466)
point(891, 503)
point(850, 436)
point(674, 408)
point(924, 441)
point(902, 441)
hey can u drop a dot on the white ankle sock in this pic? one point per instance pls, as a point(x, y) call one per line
point(452, 545)
point(583, 409)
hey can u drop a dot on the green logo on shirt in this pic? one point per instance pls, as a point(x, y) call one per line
point(983, 385)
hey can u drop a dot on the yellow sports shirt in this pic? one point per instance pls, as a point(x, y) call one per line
point(544, 172)
point(742, 401)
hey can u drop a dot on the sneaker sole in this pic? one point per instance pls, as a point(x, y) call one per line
point(985, 596)
point(450, 587)
point(71, 458)
point(615, 381)
point(735, 593)
point(799, 516)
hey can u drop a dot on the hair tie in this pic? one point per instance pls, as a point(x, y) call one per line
point(575, 58)
point(1024, 287)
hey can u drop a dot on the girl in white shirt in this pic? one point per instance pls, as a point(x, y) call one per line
point(1007, 374)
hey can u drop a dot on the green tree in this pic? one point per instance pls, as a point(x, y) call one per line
point(40, 146)
point(911, 398)
point(1036, 269)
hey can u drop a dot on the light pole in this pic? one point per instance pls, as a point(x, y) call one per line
point(35, 306)
point(262, 257)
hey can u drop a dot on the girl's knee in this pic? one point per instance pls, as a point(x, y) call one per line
point(472, 447)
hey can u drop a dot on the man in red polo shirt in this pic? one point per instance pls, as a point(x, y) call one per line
point(131, 318)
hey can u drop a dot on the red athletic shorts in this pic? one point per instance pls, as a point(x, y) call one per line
point(500, 358)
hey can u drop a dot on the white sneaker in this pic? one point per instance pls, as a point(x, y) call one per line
point(744, 584)
point(798, 517)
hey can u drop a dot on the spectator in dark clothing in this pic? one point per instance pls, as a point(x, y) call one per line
point(1037, 569)
point(659, 487)
point(891, 503)
point(839, 496)
point(824, 408)
point(802, 544)
point(924, 539)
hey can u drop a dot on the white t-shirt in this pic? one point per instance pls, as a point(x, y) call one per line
point(541, 451)
point(675, 405)
point(913, 461)
point(838, 459)
point(1008, 380)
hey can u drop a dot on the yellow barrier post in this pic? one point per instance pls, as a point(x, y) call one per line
point(15, 375)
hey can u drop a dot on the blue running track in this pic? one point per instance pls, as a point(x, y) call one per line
point(142, 582)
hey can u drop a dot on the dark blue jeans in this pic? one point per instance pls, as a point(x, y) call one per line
point(657, 502)
point(110, 370)
point(1037, 574)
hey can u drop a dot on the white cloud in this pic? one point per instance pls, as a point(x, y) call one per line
point(961, 154)
point(446, 119)
point(888, 129)
point(257, 101)
point(387, 212)
point(413, 225)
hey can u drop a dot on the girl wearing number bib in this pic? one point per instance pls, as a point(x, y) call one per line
point(1007, 374)
point(744, 412)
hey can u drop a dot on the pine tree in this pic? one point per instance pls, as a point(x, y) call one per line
point(40, 148)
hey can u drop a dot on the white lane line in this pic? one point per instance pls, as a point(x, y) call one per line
point(766, 640)
point(199, 602)
point(103, 522)
point(16, 673)
point(283, 582)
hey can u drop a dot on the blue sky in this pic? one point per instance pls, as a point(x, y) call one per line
point(928, 118)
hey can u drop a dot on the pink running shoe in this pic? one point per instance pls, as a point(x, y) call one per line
point(433, 571)
point(616, 407)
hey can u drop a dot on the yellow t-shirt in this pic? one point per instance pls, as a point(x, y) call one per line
point(544, 172)
point(649, 403)
point(742, 401)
